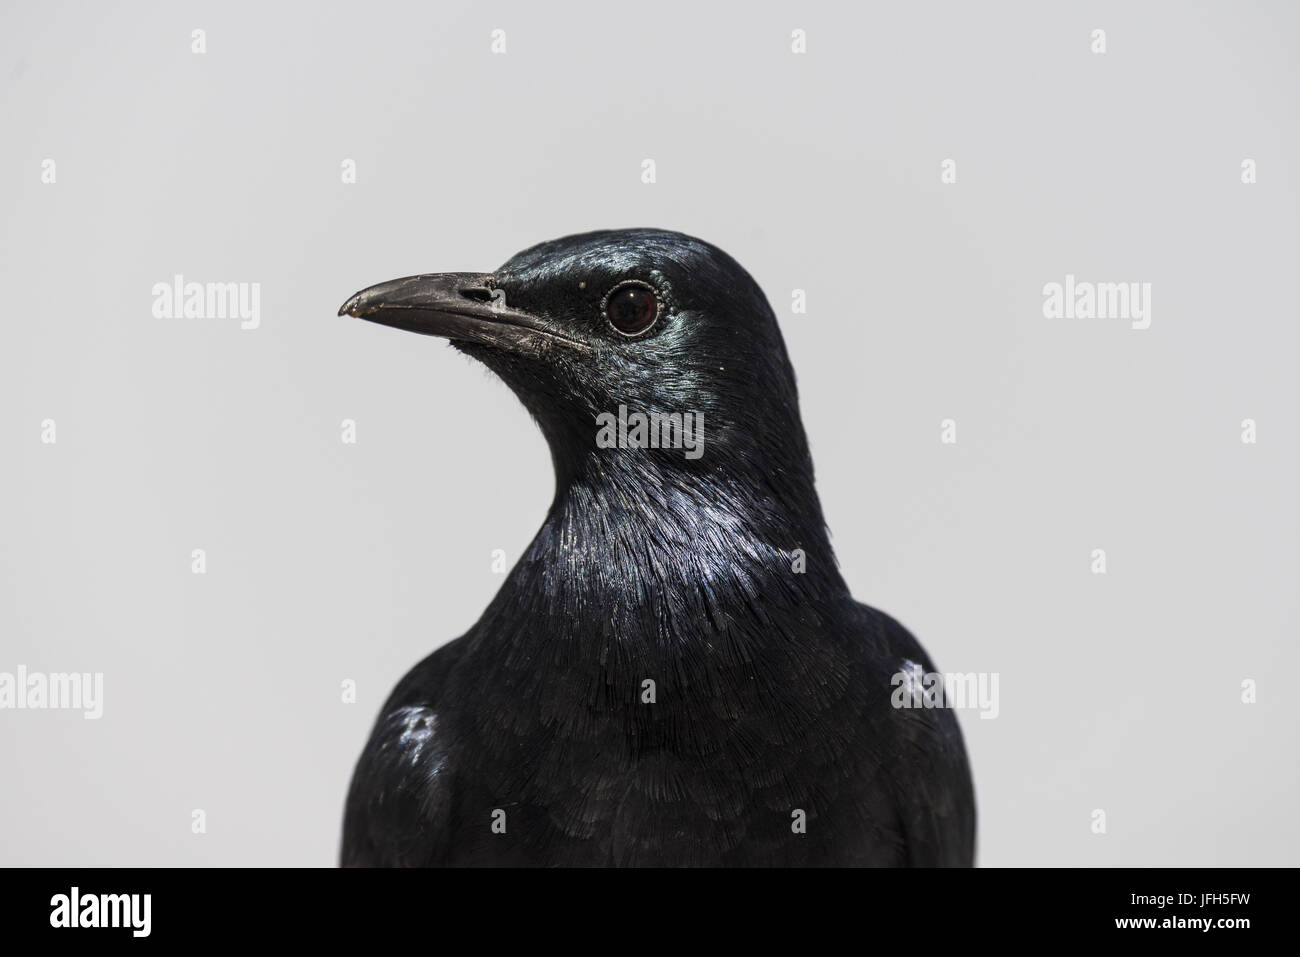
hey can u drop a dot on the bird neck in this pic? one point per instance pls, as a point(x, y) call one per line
point(625, 541)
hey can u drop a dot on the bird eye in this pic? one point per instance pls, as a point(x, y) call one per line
point(631, 307)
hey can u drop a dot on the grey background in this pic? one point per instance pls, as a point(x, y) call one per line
point(328, 561)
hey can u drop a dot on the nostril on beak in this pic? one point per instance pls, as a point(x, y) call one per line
point(477, 293)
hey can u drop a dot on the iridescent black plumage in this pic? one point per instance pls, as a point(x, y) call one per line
point(772, 687)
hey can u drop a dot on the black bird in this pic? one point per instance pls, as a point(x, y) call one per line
point(675, 672)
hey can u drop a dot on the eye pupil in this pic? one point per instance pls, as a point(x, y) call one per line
point(631, 308)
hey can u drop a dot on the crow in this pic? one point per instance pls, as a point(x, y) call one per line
point(674, 673)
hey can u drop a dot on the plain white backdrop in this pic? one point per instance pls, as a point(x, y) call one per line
point(820, 171)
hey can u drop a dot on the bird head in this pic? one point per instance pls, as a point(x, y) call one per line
point(643, 320)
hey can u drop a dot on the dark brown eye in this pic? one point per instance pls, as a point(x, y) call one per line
point(632, 308)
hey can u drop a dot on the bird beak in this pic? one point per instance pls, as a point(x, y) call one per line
point(460, 306)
